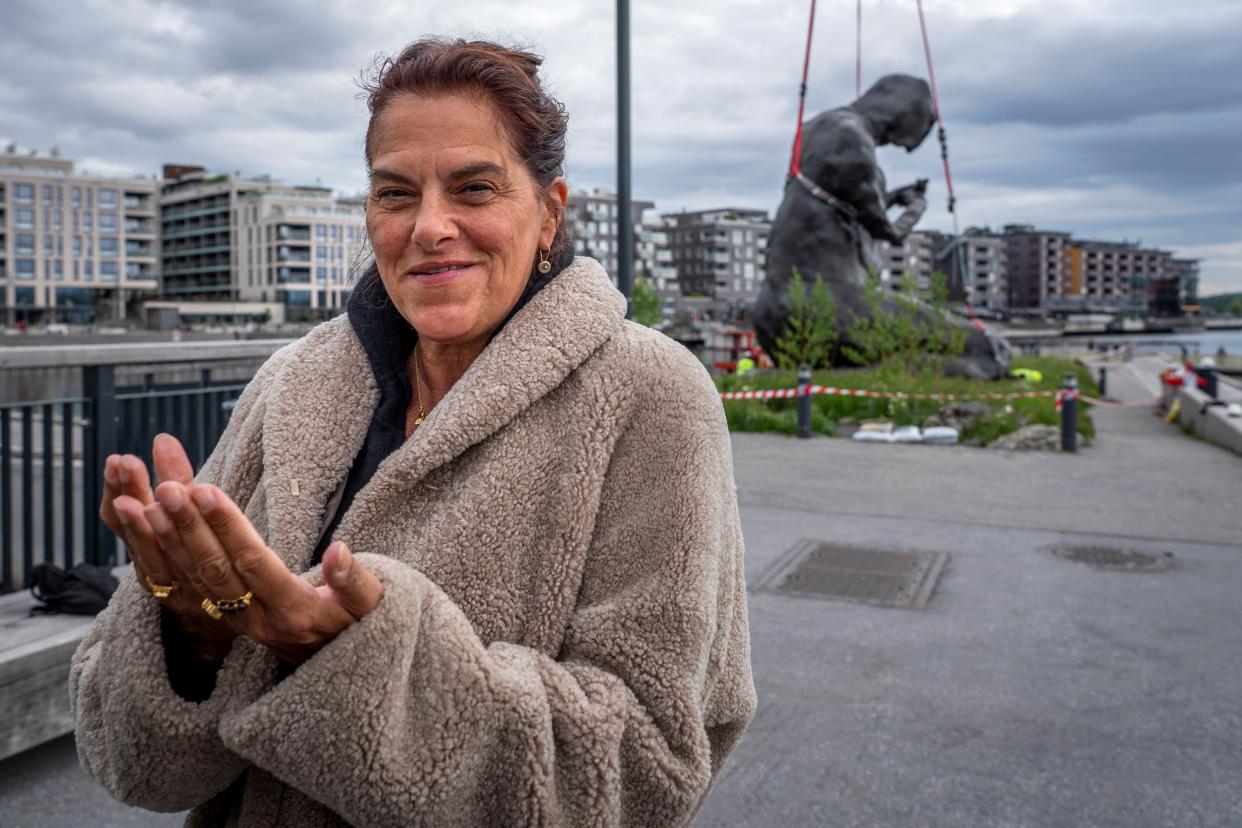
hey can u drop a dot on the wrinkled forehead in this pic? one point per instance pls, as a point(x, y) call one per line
point(455, 126)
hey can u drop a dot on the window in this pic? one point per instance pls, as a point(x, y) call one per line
point(57, 219)
point(77, 245)
point(321, 232)
point(88, 222)
point(23, 194)
point(321, 254)
point(25, 269)
point(88, 270)
point(76, 197)
point(107, 199)
point(47, 193)
point(23, 219)
point(108, 271)
point(108, 246)
point(321, 275)
point(49, 245)
point(24, 243)
point(107, 222)
point(23, 297)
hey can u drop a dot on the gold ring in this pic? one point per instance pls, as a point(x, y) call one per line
point(162, 591)
point(209, 607)
point(235, 604)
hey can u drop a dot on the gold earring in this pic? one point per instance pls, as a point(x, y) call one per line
point(545, 266)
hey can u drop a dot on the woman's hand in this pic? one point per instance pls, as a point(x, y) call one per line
point(127, 490)
point(207, 536)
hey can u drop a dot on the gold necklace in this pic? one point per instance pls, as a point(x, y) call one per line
point(418, 393)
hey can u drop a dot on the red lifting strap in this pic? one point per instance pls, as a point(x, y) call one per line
point(795, 163)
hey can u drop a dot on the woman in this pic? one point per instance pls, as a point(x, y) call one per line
point(519, 597)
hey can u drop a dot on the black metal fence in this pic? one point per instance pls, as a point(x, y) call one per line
point(52, 455)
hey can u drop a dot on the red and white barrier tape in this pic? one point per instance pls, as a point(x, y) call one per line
point(785, 393)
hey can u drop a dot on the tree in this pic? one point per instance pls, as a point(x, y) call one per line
point(810, 333)
point(646, 306)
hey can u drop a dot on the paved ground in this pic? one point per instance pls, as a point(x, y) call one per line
point(1030, 692)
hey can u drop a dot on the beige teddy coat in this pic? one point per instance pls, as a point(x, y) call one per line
point(562, 638)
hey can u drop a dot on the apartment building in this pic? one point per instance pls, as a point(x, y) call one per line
point(593, 221)
point(74, 247)
point(655, 257)
point(720, 253)
point(254, 240)
point(301, 248)
point(976, 265)
point(1039, 266)
point(914, 257)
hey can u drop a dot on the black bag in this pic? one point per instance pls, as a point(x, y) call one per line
point(83, 590)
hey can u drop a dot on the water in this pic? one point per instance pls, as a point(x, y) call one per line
point(1208, 342)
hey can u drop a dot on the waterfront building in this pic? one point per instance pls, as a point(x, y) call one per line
point(654, 261)
point(976, 265)
point(914, 257)
point(721, 254)
point(1039, 266)
point(301, 248)
point(1053, 272)
point(593, 219)
point(234, 239)
point(74, 247)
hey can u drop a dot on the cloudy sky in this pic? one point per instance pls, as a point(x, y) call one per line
point(1116, 119)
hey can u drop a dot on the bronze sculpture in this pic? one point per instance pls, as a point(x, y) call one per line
point(836, 207)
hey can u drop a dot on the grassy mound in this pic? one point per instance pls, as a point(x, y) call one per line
point(828, 412)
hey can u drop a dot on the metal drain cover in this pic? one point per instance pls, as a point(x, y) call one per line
point(814, 569)
point(1113, 558)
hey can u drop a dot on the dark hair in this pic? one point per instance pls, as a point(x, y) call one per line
point(536, 122)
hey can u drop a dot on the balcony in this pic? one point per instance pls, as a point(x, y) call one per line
point(139, 227)
point(293, 233)
point(292, 254)
point(140, 202)
point(139, 248)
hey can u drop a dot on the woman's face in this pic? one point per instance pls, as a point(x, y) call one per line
point(454, 216)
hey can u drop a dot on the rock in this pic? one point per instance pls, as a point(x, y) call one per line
point(959, 416)
point(1030, 438)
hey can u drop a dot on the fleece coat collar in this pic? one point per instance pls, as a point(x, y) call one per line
point(547, 339)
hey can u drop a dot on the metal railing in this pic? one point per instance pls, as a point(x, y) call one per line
point(52, 454)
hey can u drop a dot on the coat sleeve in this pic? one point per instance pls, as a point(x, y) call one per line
point(144, 743)
point(408, 718)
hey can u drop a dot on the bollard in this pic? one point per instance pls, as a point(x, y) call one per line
point(1208, 373)
point(1103, 381)
point(1069, 413)
point(804, 402)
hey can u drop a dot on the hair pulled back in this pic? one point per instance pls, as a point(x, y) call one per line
point(509, 78)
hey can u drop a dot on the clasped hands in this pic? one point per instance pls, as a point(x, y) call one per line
point(195, 535)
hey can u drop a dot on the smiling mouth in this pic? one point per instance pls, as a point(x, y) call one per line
point(440, 273)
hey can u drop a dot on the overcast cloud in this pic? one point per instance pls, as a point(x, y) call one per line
point(1108, 119)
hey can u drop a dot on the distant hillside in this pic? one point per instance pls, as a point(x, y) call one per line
point(1223, 303)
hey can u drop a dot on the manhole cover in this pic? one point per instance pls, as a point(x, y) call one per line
point(813, 569)
point(1114, 558)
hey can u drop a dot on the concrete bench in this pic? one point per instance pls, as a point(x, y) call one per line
point(34, 672)
point(1209, 421)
